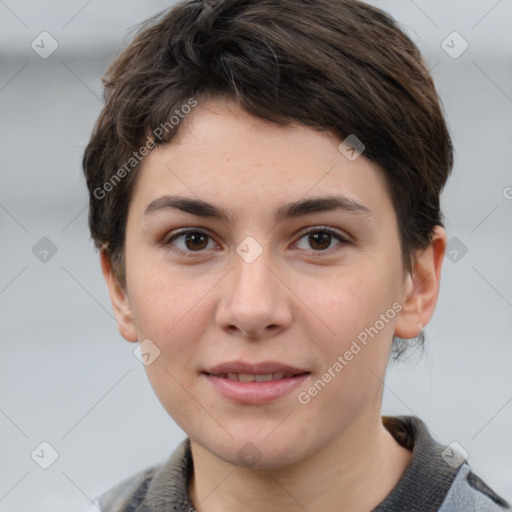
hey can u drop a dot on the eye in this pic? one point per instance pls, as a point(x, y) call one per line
point(320, 239)
point(190, 240)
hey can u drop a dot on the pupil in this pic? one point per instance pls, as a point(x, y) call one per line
point(196, 238)
point(320, 238)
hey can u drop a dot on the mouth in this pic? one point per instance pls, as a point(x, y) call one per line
point(263, 369)
point(254, 377)
point(254, 384)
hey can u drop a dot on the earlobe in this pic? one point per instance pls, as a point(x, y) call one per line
point(119, 300)
point(422, 288)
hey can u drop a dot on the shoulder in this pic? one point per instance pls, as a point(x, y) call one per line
point(469, 492)
point(438, 478)
point(159, 487)
point(126, 495)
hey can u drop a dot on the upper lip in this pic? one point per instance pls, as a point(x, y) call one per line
point(263, 368)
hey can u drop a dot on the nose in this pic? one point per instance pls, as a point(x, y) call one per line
point(255, 303)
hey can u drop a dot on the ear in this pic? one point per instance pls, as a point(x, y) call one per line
point(422, 288)
point(119, 299)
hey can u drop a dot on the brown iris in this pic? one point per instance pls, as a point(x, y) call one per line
point(320, 240)
point(196, 241)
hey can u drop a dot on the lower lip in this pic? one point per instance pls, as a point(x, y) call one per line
point(254, 393)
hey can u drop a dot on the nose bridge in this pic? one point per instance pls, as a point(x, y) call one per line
point(252, 279)
point(253, 302)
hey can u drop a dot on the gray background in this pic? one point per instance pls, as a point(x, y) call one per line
point(66, 375)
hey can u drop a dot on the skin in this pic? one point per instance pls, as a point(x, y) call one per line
point(300, 303)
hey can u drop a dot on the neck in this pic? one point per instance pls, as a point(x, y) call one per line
point(354, 473)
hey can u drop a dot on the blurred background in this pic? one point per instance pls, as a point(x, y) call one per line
point(67, 378)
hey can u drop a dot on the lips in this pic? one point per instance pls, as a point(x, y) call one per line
point(261, 383)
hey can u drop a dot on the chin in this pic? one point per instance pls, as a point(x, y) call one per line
point(260, 453)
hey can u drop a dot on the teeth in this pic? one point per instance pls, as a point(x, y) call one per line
point(248, 377)
point(263, 378)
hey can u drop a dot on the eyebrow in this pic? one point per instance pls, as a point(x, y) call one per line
point(284, 212)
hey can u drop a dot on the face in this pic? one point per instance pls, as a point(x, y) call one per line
point(258, 258)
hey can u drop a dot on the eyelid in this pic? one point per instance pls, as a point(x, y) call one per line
point(183, 231)
point(312, 229)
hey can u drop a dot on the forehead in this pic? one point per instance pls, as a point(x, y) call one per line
point(224, 155)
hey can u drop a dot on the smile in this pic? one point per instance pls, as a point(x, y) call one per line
point(248, 377)
point(254, 386)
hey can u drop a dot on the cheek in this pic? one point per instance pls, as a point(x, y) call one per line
point(172, 310)
point(358, 312)
point(349, 305)
point(166, 304)
point(354, 359)
point(174, 317)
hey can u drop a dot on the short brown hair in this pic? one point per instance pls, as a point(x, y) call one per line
point(340, 66)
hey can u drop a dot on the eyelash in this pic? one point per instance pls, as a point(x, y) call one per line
point(319, 229)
